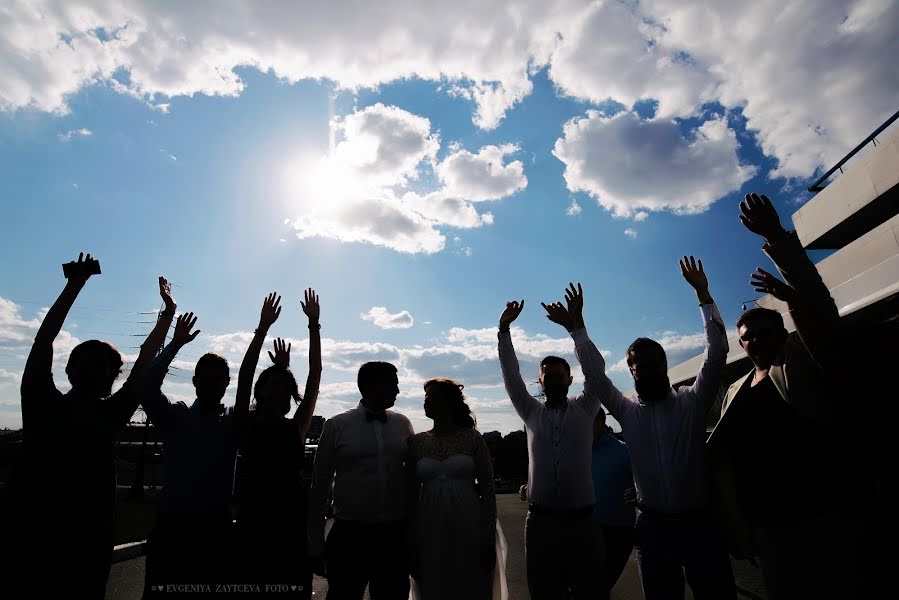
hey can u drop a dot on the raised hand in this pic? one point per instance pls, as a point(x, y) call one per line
point(557, 313)
point(183, 326)
point(271, 310)
point(693, 273)
point(79, 271)
point(310, 305)
point(281, 357)
point(760, 217)
point(165, 291)
point(766, 283)
point(513, 309)
point(575, 300)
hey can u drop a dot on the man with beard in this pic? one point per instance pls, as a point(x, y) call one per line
point(664, 428)
point(563, 543)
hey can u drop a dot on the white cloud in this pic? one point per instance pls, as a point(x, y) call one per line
point(482, 176)
point(358, 192)
point(71, 133)
point(813, 77)
point(611, 52)
point(628, 164)
point(574, 208)
point(631, 233)
point(54, 49)
point(640, 216)
point(380, 317)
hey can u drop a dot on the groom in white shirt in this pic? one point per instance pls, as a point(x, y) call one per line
point(361, 451)
point(563, 543)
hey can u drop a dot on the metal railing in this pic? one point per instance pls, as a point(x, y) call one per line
point(817, 187)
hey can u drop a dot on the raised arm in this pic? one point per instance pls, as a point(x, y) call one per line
point(151, 346)
point(151, 397)
point(572, 319)
point(269, 314)
point(598, 388)
point(37, 377)
point(306, 409)
point(814, 312)
point(715, 357)
point(523, 402)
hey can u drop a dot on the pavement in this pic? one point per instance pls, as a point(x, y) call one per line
point(126, 578)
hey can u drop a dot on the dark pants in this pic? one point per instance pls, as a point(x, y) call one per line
point(189, 553)
point(273, 555)
point(619, 542)
point(818, 557)
point(671, 548)
point(367, 553)
point(565, 555)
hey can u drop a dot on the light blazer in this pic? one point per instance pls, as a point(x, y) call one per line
point(806, 375)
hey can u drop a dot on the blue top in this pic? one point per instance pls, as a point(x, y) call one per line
point(611, 467)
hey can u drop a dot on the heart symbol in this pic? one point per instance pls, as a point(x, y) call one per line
point(293, 588)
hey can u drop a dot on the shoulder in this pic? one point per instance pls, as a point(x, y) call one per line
point(343, 418)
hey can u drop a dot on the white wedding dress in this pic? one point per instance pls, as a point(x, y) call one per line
point(456, 520)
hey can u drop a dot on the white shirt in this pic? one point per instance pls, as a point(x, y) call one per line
point(666, 438)
point(364, 459)
point(559, 441)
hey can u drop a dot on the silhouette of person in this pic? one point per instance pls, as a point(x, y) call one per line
point(362, 453)
point(191, 539)
point(780, 433)
point(452, 508)
point(676, 533)
point(563, 544)
point(272, 519)
point(612, 478)
point(52, 496)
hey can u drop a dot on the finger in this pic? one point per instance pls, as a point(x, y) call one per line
point(766, 201)
point(692, 263)
point(194, 336)
point(580, 290)
point(80, 256)
point(683, 268)
point(745, 221)
point(271, 356)
point(288, 348)
point(545, 307)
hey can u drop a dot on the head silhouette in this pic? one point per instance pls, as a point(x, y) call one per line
point(762, 335)
point(273, 391)
point(445, 403)
point(555, 378)
point(93, 367)
point(378, 384)
point(211, 379)
point(648, 365)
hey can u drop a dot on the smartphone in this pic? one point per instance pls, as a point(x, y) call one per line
point(71, 268)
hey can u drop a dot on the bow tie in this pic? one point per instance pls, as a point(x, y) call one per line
point(376, 416)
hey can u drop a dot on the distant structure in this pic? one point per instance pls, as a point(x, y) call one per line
point(856, 216)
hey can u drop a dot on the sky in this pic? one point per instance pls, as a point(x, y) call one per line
point(418, 164)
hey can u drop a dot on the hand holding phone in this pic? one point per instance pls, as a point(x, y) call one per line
point(81, 269)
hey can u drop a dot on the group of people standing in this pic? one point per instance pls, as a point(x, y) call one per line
point(423, 504)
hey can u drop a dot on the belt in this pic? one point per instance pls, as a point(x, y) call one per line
point(572, 513)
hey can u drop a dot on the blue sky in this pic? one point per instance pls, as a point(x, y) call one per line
point(418, 167)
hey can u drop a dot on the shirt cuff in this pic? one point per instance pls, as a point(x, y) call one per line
point(710, 313)
point(580, 336)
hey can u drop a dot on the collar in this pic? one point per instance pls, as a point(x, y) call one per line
point(559, 405)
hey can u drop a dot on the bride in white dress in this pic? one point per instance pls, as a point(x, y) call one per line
point(459, 548)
